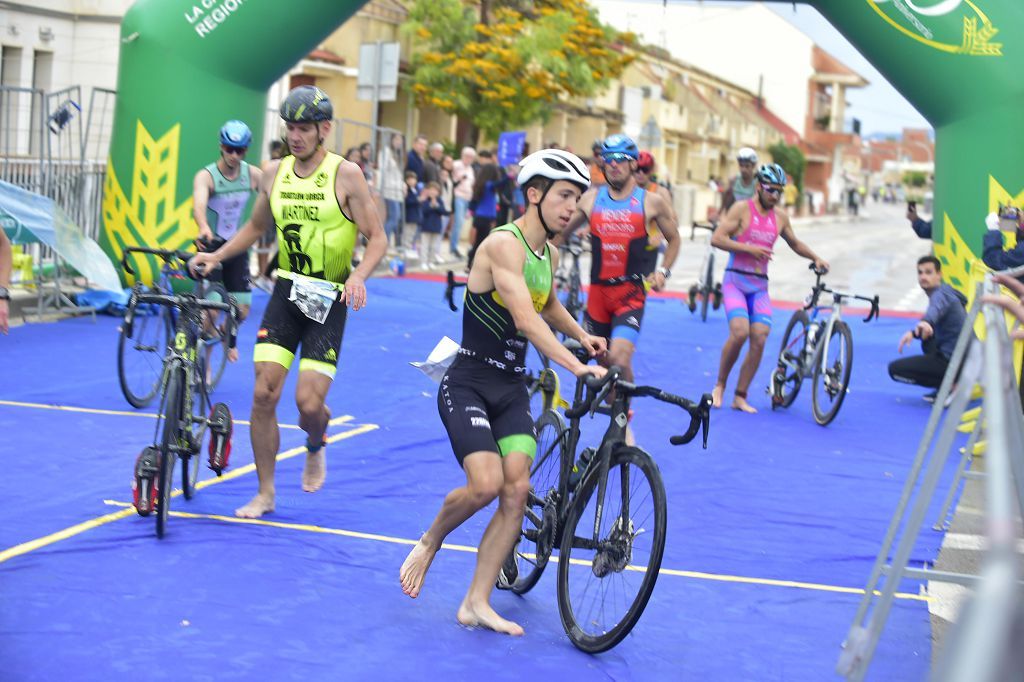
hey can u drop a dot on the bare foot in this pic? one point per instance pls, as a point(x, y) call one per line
point(483, 616)
point(740, 403)
point(232, 354)
point(315, 471)
point(256, 507)
point(716, 395)
point(414, 568)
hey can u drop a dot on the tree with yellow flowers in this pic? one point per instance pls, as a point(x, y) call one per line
point(503, 64)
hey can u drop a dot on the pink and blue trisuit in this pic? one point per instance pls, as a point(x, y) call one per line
point(745, 287)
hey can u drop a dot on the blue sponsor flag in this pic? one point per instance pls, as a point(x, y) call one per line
point(510, 147)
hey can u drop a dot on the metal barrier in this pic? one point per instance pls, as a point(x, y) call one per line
point(992, 625)
point(51, 146)
point(986, 641)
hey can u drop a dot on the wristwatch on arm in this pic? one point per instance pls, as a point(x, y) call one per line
point(665, 272)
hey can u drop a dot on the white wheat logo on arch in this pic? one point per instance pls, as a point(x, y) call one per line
point(937, 10)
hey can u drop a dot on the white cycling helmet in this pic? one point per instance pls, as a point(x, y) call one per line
point(746, 154)
point(554, 164)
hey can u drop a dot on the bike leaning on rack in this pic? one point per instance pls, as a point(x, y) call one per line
point(605, 511)
point(142, 345)
point(820, 348)
point(185, 403)
point(706, 288)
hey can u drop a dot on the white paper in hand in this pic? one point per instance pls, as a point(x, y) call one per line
point(439, 360)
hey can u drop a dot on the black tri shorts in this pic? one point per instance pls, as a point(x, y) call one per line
point(284, 327)
point(485, 409)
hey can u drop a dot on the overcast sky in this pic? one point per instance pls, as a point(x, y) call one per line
point(880, 108)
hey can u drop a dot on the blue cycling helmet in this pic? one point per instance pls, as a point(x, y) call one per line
point(620, 144)
point(235, 134)
point(772, 174)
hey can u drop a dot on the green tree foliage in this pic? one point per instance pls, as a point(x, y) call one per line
point(792, 161)
point(915, 179)
point(503, 64)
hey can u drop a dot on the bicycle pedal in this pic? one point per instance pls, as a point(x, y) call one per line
point(221, 428)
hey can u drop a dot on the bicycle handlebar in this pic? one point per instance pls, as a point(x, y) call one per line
point(449, 290)
point(820, 288)
point(191, 300)
point(710, 227)
point(167, 255)
point(598, 389)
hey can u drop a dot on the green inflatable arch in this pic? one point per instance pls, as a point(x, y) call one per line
point(188, 65)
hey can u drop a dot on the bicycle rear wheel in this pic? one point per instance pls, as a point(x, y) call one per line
point(788, 375)
point(830, 387)
point(708, 285)
point(604, 583)
point(171, 413)
point(575, 304)
point(215, 336)
point(141, 347)
point(540, 522)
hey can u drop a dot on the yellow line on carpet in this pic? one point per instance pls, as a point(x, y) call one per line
point(309, 528)
point(148, 415)
point(71, 531)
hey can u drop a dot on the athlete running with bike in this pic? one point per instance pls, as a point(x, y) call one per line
point(748, 231)
point(221, 194)
point(483, 399)
point(644, 175)
point(619, 214)
point(742, 187)
point(318, 201)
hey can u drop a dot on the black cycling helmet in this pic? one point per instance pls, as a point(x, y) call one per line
point(306, 104)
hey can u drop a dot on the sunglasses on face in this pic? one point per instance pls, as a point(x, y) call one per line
point(774, 191)
point(642, 170)
point(617, 157)
point(239, 151)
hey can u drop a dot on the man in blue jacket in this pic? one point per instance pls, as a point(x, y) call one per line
point(938, 330)
point(1009, 219)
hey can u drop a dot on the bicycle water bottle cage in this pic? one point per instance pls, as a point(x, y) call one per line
point(221, 428)
point(579, 469)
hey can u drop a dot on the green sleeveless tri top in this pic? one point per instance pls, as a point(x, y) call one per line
point(489, 333)
point(229, 201)
point(314, 236)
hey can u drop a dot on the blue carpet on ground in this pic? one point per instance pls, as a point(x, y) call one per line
point(774, 498)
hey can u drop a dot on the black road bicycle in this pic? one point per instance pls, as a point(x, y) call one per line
point(605, 511)
point(142, 345)
point(820, 348)
point(185, 412)
point(568, 284)
point(706, 289)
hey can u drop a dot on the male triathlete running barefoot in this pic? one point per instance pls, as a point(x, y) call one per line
point(749, 231)
point(483, 399)
point(318, 201)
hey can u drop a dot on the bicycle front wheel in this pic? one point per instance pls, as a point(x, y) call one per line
point(171, 413)
point(606, 578)
point(831, 385)
point(540, 520)
point(788, 375)
point(141, 347)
